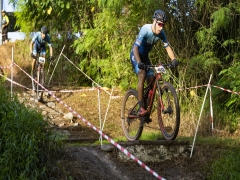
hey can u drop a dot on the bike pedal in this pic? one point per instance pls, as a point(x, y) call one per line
point(146, 119)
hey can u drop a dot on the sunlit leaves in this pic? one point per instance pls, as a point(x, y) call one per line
point(49, 10)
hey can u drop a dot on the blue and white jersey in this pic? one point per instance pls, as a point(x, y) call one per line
point(37, 38)
point(146, 39)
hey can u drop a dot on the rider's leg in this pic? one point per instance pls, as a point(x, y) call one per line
point(35, 51)
point(33, 65)
point(141, 78)
point(149, 79)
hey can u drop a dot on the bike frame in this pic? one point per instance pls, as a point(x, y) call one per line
point(39, 69)
point(156, 85)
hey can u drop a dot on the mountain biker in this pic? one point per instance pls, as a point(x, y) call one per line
point(38, 43)
point(5, 23)
point(148, 36)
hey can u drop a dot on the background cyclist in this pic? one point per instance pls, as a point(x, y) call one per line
point(5, 23)
point(148, 36)
point(38, 43)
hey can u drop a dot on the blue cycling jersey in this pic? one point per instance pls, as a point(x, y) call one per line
point(41, 42)
point(146, 39)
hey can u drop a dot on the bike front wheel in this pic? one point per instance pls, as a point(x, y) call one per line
point(131, 124)
point(38, 75)
point(168, 111)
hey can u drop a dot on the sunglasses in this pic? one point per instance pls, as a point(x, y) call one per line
point(160, 24)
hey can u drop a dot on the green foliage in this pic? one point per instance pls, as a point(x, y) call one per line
point(25, 143)
point(231, 79)
point(106, 48)
point(227, 166)
point(221, 18)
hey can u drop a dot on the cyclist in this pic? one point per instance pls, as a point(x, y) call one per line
point(38, 44)
point(5, 23)
point(148, 36)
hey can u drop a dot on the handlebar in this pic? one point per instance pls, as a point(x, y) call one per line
point(159, 68)
point(146, 67)
point(36, 57)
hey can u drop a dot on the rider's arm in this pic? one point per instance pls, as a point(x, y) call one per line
point(51, 51)
point(136, 53)
point(170, 53)
point(31, 46)
point(48, 39)
point(138, 42)
point(32, 42)
point(166, 45)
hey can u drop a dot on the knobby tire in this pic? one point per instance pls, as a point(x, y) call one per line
point(40, 79)
point(132, 126)
point(38, 75)
point(169, 117)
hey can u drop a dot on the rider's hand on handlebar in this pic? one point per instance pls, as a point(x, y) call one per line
point(174, 63)
point(33, 56)
point(141, 65)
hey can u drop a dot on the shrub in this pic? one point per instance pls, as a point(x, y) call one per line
point(25, 142)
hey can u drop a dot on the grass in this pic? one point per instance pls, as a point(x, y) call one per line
point(226, 161)
point(227, 166)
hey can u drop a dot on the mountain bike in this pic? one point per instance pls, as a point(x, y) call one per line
point(167, 107)
point(38, 76)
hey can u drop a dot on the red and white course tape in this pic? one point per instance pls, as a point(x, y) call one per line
point(6, 67)
point(233, 92)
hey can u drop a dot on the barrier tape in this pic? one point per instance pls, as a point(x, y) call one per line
point(181, 89)
point(98, 86)
point(14, 82)
point(100, 132)
point(233, 92)
point(115, 97)
point(6, 67)
point(224, 89)
point(84, 90)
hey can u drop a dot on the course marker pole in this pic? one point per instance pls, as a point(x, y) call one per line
point(211, 109)
point(12, 74)
point(56, 64)
point(200, 114)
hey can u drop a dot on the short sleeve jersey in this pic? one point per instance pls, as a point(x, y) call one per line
point(37, 38)
point(146, 39)
point(5, 20)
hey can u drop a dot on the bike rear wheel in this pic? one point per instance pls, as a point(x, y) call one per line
point(131, 124)
point(168, 112)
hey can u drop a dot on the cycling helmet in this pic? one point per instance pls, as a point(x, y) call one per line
point(160, 15)
point(44, 30)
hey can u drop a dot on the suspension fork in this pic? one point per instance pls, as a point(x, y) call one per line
point(157, 84)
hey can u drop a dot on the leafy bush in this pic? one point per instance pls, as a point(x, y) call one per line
point(229, 103)
point(25, 142)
